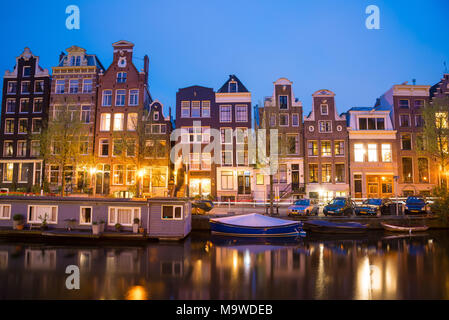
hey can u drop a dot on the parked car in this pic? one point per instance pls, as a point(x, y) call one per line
point(303, 207)
point(202, 206)
point(415, 205)
point(340, 206)
point(373, 207)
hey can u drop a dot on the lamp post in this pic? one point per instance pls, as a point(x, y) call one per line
point(140, 173)
point(93, 172)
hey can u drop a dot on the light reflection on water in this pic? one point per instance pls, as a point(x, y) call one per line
point(379, 266)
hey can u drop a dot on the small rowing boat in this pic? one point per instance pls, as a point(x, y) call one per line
point(255, 225)
point(324, 226)
point(409, 229)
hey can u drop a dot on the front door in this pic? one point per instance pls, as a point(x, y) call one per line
point(295, 177)
point(102, 179)
point(244, 183)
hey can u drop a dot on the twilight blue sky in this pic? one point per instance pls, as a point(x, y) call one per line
point(315, 44)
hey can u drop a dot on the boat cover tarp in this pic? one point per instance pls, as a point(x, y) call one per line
point(324, 223)
point(254, 220)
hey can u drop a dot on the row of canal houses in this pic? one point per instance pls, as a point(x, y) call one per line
point(363, 152)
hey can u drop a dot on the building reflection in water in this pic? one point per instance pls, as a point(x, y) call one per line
point(203, 267)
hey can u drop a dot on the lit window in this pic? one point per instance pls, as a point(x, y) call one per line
point(359, 152)
point(326, 148)
point(105, 122)
point(132, 122)
point(372, 152)
point(118, 121)
point(386, 152)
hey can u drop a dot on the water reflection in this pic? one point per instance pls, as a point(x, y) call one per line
point(202, 267)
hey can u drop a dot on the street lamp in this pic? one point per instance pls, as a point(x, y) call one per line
point(140, 173)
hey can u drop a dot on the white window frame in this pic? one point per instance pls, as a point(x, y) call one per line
point(279, 99)
point(103, 96)
point(297, 116)
point(2, 208)
point(100, 149)
point(287, 122)
point(77, 87)
point(115, 214)
point(236, 112)
point(409, 120)
point(327, 109)
point(131, 95)
point(230, 113)
point(91, 83)
point(35, 86)
point(7, 103)
point(91, 215)
point(40, 206)
point(174, 218)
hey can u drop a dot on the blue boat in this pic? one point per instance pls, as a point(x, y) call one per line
point(324, 226)
point(255, 225)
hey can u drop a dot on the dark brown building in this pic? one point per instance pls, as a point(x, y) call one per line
point(326, 149)
point(24, 111)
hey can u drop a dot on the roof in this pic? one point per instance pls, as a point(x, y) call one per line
point(225, 87)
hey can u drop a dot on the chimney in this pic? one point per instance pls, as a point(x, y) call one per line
point(146, 66)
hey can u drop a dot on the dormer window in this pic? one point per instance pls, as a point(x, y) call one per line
point(121, 77)
point(75, 61)
point(232, 86)
point(156, 116)
point(283, 102)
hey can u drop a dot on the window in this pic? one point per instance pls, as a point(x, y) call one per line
point(185, 109)
point(171, 213)
point(105, 122)
point(326, 150)
point(156, 116)
point(23, 126)
point(37, 173)
point(196, 109)
point(326, 173)
point(8, 149)
point(195, 161)
point(283, 120)
point(26, 71)
point(130, 174)
point(242, 158)
point(121, 77)
point(117, 147)
point(339, 148)
point(85, 114)
point(131, 148)
point(313, 173)
point(295, 120)
point(36, 125)
point(371, 123)
point(118, 176)
point(25, 170)
point(120, 98)
point(132, 122)
point(419, 103)
point(38, 86)
point(359, 152)
point(85, 215)
point(12, 87)
point(60, 86)
point(5, 211)
point(241, 136)
point(232, 86)
point(24, 106)
point(386, 152)
point(423, 170)
point(283, 102)
point(273, 120)
point(292, 144)
point(11, 106)
point(313, 148)
point(441, 120)
point(241, 113)
point(339, 173)
point(404, 120)
point(225, 114)
point(107, 98)
point(54, 174)
point(206, 109)
point(35, 148)
point(406, 142)
point(158, 178)
point(37, 213)
point(87, 86)
point(75, 61)
point(259, 179)
point(9, 126)
point(73, 86)
point(324, 109)
point(38, 103)
point(325, 126)
point(84, 146)
point(123, 215)
point(226, 158)
point(404, 104)
point(226, 135)
point(8, 169)
point(372, 152)
point(118, 121)
point(134, 97)
point(206, 161)
point(104, 147)
point(419, 121)
point(227, 180)
point(407, 170)
point(158, 128)
point(25, 87)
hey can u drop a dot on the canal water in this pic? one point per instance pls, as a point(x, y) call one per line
point(374, 266)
